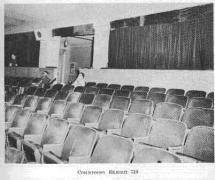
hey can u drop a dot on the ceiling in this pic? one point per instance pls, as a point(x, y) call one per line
point(43, 15)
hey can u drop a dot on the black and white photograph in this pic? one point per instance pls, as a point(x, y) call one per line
point(107, 90)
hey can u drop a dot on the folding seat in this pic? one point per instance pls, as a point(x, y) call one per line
point(179, 92)
point(18, 126)
point(73, 112)
point(122, 93)
point(101, 85)
point(200, 102)
point(198, 117)
point(88, 84)
point(181, 100)
point(87, 98)
point(102, 100)
point(127, 88)
point(136, 126)
point(52, 138)
point(166, 134)
point(121, 103)
point(40, 92)
point(73, 97)
point(166, 110)
point(146, 154)
point(61, 95)
point(142, 106)
point(114, 86)
point(57, 108)
point(43, 105)
point(31, 102)
point(91, 90)
point(210, 95)
point(112, 149)
point(9, 97)
point(157, 90)
point(57, 87)
point(91, 115)
point(80, 89)
point(156, 97)
point(19, 100)
point(77, 147)
point(10, 112)
point(67, 87)
point(194, 93)
point(31, 90)
point(51, 93)
point(106, 91)
point(138, 95)
point(199, 145)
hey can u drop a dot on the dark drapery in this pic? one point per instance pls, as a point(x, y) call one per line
point(180, 45)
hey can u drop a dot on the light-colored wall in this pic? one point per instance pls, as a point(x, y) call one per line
point(188, 80)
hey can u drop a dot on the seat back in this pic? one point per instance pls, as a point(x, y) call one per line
point(167, 133)
point(31, 102)
point(114, 86)
point(40, 92)
point(57, 87)
point(57, 107)
point(67, 88)
point(198, 117)
point(44, 104)
point(136, 125)
point(166, 110)
point(181, 100)
point(89, 84)
point(31, 90)
point(102, 100)
point(200, 102)
point(106, 91)
point(127, 88)
point(111, 119)
point(51, 93)
point(122, 93)
point(87, 98)
point(55, 131)
point(61, 95)
point(156, 97)
point(200, 143)
point(121, 103)
point(142, 106)
point(36, 124)
point(79, 89)
point(138, 95)
point(79, 142)
point(19, 99)
point(73, 110)
point(101, 85)
point(194, 93)
point(21, 118)
point(10, 113)
point(179, 92)
point(91, 90)
point(73, 97)
point(112, 149)
point(142, 88)
point(157, 90)
point(91, 114)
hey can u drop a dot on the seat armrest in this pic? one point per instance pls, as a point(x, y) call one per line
point(91, 125)
point(54, 148)
point(187, 159)
point(74, 120)
point(19, 131)
point(79, 159)
point(33, 138)
point(52, 157)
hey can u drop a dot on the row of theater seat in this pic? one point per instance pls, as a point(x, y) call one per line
point(55, 140)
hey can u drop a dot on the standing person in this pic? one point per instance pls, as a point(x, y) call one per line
point(76, 78)
point(44, 82)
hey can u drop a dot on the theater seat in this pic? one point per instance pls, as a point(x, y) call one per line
point(73, 112)
point(121, 103)
point(19, 100)
point(142, 88)
point(179, 92)
point(91, 90)
point(57, 108)
point(77, 147)
point(13, 155)
point(200, 102)
point(61, 95)
point(198, 117)
point(106, 91)
point(114, 86)
point(157, 90)
point(138, 95)
point(52, 138)
point(57, 87)
point(79, 89)
point(181, 100)
point(43, 105)
point(87, 98)
point(101, 85)
point(51, 93)
point(30, 90)
point(112, 149)
point(146, 154)
point(102, 100)
point(40, 92)
point(166, 110)
point(199, 145)
point(156, 97)
point(142, 106)
point(122, 93)
point(91, 115)
point(166, 134)
point(194, 93)
point(67, 88)
point(73, 97)
point(10, 112)
point(127, 88)
point(31, 102)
